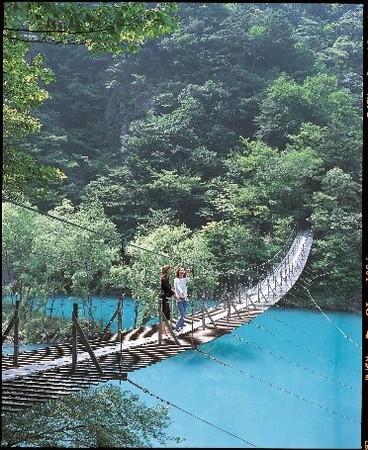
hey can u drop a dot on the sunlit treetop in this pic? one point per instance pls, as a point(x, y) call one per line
point(115, 27)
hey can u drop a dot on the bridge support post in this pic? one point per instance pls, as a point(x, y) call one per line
point(120, 357)
point(228, 302)
point(246, 292)
point(77, 329)
point(120, 313)
point(172, 311)
point(14, 323)
point(74, 337)
point(16, 334)
point(202, 306)
point(159, 321)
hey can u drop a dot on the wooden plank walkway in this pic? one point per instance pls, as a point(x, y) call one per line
point(46, 374)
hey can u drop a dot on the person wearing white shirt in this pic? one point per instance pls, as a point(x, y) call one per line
point(180, 288)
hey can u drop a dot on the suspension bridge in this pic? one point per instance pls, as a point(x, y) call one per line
point(34, 377)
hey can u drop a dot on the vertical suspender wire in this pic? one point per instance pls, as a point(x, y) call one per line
point(192, 312)
point(120, 329)
point(16, 334)
point(192, 324)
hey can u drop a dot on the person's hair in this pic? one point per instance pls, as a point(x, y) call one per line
point(178, 270)
point(164, 271)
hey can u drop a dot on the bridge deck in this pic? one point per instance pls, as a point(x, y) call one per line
point(46, 374)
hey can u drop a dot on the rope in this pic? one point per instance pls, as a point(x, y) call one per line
point(146, 391)
point(303, 348)
point(293, 362)
point(82, 227)
point(277, 387)
point(325, 315)
point(299, 330)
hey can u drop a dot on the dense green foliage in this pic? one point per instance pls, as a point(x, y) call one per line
point(92, 418)
point(34, 326)
point(201, 141)
point(174, 245)
point(240, 123)
point(46, 256)
point(113, 28)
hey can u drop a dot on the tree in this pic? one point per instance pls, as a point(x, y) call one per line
point(48, 256)
point(173, 115)
point(319, 100)
point(186, 129)
point(93, 418)
point(174, 245)
point(114, 27)
point(262, 184)
point(236, 247)
point(336, 222)
point(179, 193)
point(123, 196)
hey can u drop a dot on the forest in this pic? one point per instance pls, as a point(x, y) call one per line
point(204, 141)
point(201, 134)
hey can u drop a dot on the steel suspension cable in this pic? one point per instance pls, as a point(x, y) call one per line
point(61, 220)
point(292, 362)
point(309, 296)
point(300, 346)
point(109, 238)
point(326, 316)
point(276, 387)
point(300, 330)
point(147, 391)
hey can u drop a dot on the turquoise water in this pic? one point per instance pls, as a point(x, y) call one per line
point(289, 379)
point(8, 349)
point(99, 308)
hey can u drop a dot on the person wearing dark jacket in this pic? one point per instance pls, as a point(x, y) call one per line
point(166, 293)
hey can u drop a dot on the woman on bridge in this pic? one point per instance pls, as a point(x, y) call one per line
point(166, 293)
point(180, 287)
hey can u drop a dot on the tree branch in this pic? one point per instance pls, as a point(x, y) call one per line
point(20, 30)
point(43, 41)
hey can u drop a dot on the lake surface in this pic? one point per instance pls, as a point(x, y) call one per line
point(289, 379)
point(99, 308)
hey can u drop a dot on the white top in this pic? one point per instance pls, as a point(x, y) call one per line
point(180, 287)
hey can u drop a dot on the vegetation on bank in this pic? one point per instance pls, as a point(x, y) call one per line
point(210, 133)
point(102, 417)
point(226, 129)
point(129, 25)
point(101, 28)
point(36, 327)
